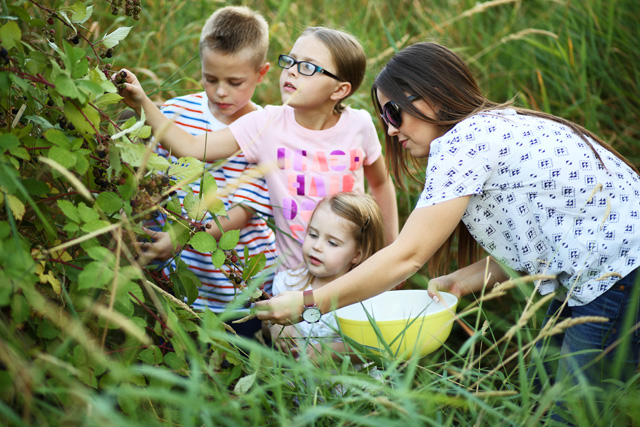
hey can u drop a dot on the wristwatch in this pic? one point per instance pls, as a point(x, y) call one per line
point(311, 312)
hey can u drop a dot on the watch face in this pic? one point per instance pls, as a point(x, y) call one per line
point(311, 314)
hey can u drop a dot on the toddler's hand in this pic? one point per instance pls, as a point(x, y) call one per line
point(132, 91)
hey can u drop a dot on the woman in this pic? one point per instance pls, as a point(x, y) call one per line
point(537, 192)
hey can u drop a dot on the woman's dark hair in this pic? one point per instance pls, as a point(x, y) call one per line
point(439, 77)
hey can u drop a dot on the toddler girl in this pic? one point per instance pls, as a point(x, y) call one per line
point(344, 230)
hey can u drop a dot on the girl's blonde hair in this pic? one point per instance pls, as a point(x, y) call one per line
point(347, 53)
point(367, 230)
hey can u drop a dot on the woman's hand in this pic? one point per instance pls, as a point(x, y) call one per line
point(282, 309)
point(446, 284)
point(133, 95)
point(160, 248)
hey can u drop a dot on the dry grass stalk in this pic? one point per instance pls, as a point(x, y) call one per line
point(526, 315)
point(511, 37)
point(170, 297)
point(567, 323)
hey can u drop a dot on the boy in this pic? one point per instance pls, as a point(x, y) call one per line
point(233, 49)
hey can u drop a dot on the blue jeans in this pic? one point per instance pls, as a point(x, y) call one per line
point(581, 345)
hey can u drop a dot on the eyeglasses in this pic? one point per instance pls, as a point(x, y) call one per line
point(304, 67)
point(392, 114)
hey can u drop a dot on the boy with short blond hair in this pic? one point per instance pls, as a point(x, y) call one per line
point(233, 50)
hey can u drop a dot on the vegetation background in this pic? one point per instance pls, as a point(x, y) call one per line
point(61, 363)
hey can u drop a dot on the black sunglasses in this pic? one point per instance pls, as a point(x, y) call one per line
point(305, 68)
point(392, 114)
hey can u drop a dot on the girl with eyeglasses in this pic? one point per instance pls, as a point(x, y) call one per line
point(540, 194)
point(311, 147)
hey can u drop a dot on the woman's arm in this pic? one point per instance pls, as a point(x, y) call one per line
point(425, 231)
point(209, 146)
point(472, 278)
point(384, 193)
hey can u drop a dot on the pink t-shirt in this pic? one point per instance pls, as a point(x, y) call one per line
point(302, 166)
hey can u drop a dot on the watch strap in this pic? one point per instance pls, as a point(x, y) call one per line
point(307, 298)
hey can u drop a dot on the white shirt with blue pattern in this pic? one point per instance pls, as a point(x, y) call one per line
point(541, 200)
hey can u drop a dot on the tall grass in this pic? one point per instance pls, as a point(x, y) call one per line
point(570, 58)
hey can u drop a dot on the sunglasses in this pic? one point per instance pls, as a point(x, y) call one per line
point(305, 68)
point(392, 114)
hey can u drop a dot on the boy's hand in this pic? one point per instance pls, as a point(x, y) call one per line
point(160, 248)
point(132, 91)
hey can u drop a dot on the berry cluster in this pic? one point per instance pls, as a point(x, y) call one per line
point(131, 8)
point(100, 179)
point(64, 124)
point(149, 194)
point(120, 79)
point(50, 34)
point(4, 56)
point(107, 53)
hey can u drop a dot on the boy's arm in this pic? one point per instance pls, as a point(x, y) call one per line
point(383, 191)
point(162, 248)
point(209, 146)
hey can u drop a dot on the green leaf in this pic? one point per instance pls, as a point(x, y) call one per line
point(172, 360)
point(82, 164)
point(8, 141)
point(10, 35)
point(89, 86)
point(229, 240)
point(62, 156)
point(69, 210)
point(113, 38)
point(81, 13)
point(190, 282)
point(157, 163)
point(77, 117)
point(95, 275)
point(254, 266)
point(66, 86)
point(194, 207)
point(217, 208)
point(20, 309)
point(107, 99)
point(179, 232)
point(47, 330)
point(174, 205)
point(244, 384)
point(208, 185)
point(40, 121)
point(109, 202)
point(58, 138)
point(95, 226)
point(203, 242)
point(76, 61)
point(218, 257)
point(87, 214)
point(151, 355)
point(102, 254)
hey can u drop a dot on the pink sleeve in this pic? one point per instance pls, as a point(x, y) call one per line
point(246, 130)
point(371, 143)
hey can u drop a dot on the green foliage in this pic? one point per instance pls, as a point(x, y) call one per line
point(77, 311)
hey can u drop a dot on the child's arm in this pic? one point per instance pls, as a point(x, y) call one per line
point(209, 146)
point(385, 194)
point(161, 247)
